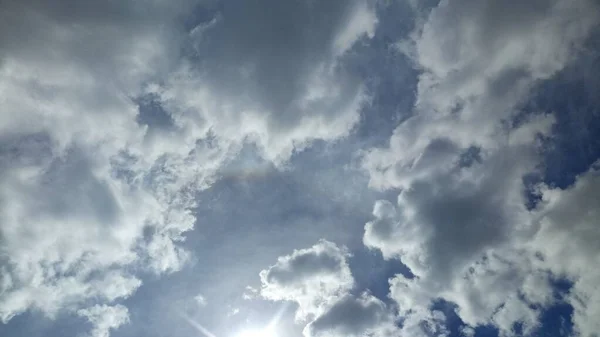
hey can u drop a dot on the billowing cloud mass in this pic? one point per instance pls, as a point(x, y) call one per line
point(462, 222)
point(114, 114)
point(314, 277)
point(353, 316)
point(567, 240)
point(319, 280)
point(273, 75)
point(150, 151)
point(79, 209)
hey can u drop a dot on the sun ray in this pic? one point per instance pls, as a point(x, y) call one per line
point(197, 325)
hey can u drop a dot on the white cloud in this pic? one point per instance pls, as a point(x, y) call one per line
point(314, 278)
point(64, 221)
point(201, 300)
point(568, 243)
point(460, 222)
point(362, 21)
point(88, 193)
point(353, 316)
point(467, 331)
point(104, 318)
point(273, 77)
point(444, 219)
point(319, 280)
point(233, 312)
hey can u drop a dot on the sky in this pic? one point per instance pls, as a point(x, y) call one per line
point(299, 168)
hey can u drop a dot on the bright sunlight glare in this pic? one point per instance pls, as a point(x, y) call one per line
point(266, 332)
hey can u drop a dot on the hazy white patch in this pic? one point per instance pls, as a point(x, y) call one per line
point(200, 300)
point(250, 293)
point(105, 318)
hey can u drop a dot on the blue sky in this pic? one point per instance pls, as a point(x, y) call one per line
point(226, 168)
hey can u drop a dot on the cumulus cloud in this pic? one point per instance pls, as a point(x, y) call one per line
point(461, 222)
point(313, 277)
point(568, 243)
point(440, 222)
point(74, 217)
point(319, 280)
point(70, 227)
point(115, 114)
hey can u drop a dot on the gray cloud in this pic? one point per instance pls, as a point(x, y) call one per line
point(568, 242)
point(319, 280)
point(446, 218)
point(313, 277)
point(462, 227)
point(353, 316)
point(93, 190)
point(115, 115)
point(271, 72)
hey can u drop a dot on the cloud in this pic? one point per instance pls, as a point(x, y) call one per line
point(319, 280)
point(201, 300)
point(114, 115)
point(461, 222)
point(63, 222)
point(275, 77)
point(314, 278)
point(567, 241)
point(104, 318)
point(353, 316)
point(445, 218)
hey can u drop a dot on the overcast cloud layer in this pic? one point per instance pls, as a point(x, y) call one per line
point(303, 168)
